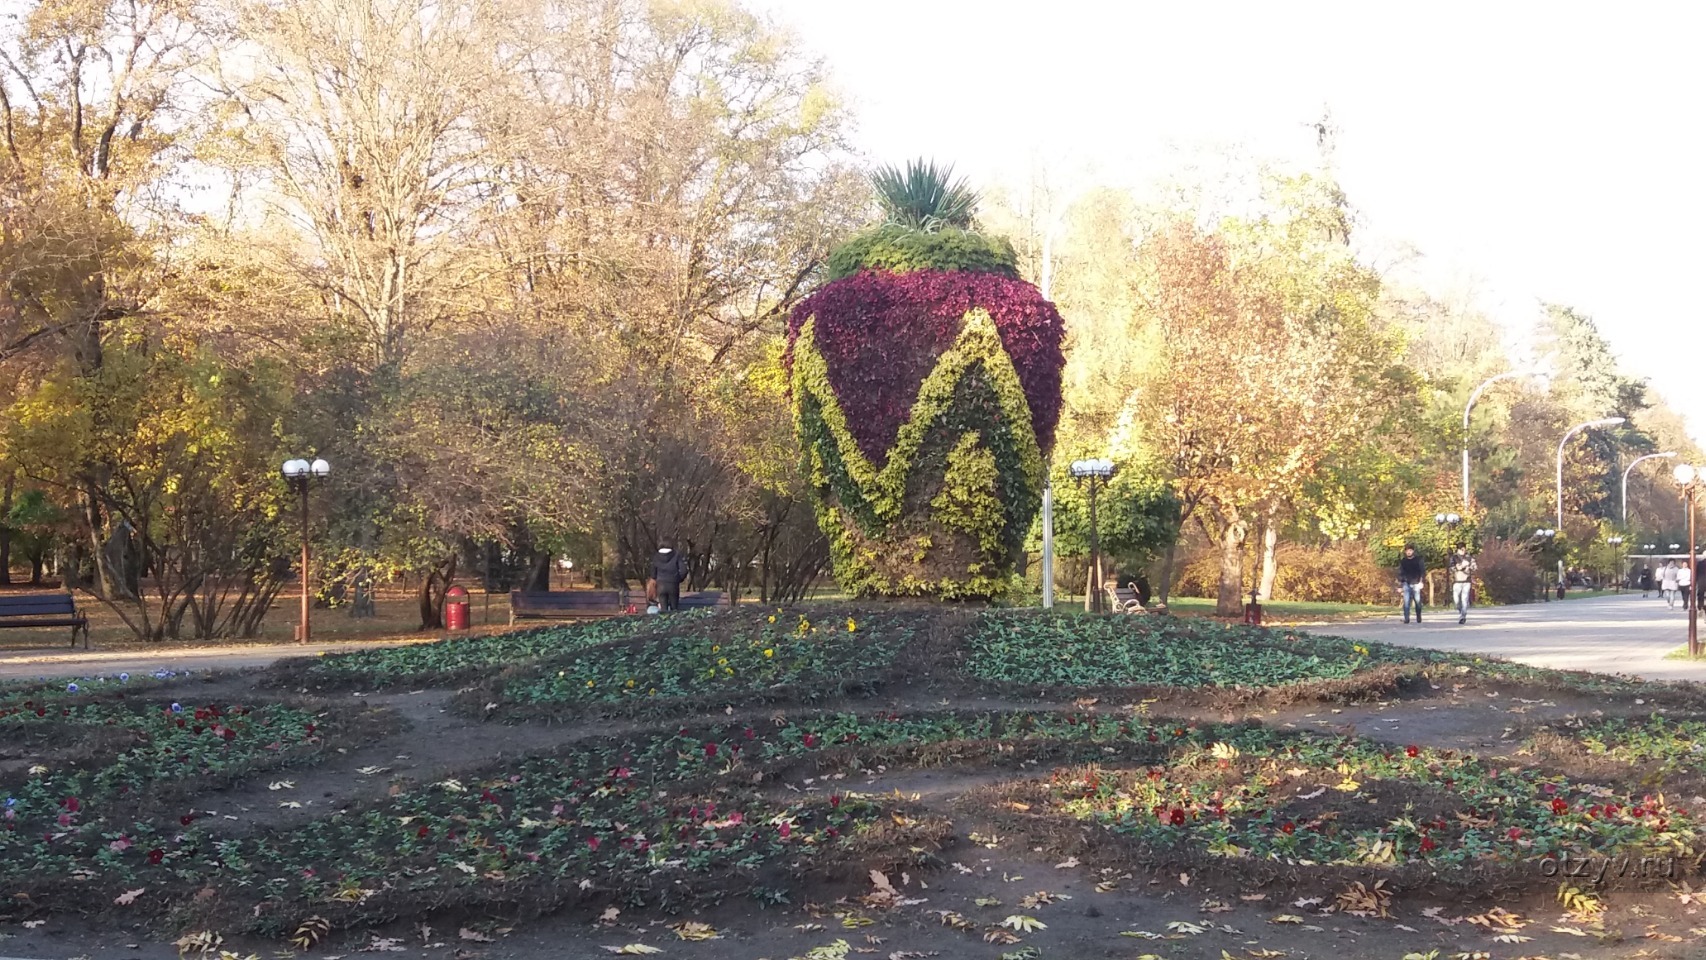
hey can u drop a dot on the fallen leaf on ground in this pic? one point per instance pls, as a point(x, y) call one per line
point(474, 935)
point(633, 949)
point(128, 897)
point(694, 930)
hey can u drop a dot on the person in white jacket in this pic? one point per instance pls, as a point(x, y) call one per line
point(1685, 582)
point(1667, 582)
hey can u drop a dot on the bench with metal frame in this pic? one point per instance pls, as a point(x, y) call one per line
point(44, 610)
point(566, 604)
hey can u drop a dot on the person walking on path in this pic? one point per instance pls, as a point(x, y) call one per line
point(668, 571)
point(1411, 573)
point(1685, 582)
point(1667, 582)
point(1462, 567)
point(1646, 581)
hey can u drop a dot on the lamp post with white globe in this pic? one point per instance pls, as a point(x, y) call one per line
point(300, 474)
point(1691, 479)
point(1095, 473)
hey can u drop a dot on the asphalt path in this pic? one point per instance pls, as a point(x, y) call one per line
point(1615, 634)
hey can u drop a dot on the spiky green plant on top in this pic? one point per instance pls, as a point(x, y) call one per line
point(924, 196)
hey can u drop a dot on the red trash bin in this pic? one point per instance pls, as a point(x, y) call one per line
point(456, 609)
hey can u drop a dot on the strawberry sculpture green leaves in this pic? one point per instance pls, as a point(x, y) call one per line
point(926, 405)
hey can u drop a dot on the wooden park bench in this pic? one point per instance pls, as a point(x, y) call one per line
point(700, 599)
point(44, 610)
point(566, 604)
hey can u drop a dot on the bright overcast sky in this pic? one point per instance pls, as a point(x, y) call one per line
point(1541, 151)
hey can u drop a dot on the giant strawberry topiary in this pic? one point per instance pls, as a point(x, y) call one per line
point(926, 389)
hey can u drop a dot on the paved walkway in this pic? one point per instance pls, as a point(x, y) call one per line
point(1615, 634)
point(65, 663)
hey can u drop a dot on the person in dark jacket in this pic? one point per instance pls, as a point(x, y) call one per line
point(668, 570)
point(1411, 573)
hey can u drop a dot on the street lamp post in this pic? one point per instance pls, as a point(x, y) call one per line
point(299, 474)
point(1632, 466)
point(1605, 422)
point(1095, 473)
point(1473, 397)
point(1541, 536)
point(1691, 478)
point(1622, 562)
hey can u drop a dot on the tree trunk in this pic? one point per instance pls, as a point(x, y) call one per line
point(431, 595)
point(6, 531)
point(538, 574)
point(1230, 601)
point(1270, 544)
point(1167, 569)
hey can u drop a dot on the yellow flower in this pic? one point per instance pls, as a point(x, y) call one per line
point(630, 683)
point(851, 626)
point(722, 661)
point(729, 670)
point(716, 648)
point(772, 620)
point(769, 652)
point(589, 684)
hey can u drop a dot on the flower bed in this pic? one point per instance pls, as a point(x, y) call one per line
point(1034, 649)
point(1313, 801)
point(103, 816)
point(735, 656)
point(452, 661)
point(629, 816)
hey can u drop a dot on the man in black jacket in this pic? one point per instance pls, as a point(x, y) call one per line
point(668, 570)
point(1411, 573)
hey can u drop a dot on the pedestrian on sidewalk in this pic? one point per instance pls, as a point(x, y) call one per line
point(668, 571)
point(1685, 582)
point(1646, 580)
point(1462, 567)
point(1667, 582)
point(1411, 573)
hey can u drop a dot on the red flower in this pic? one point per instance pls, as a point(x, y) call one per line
point(1638, 812)
point(1288, 828)
point(592, 843)
point(710, 750)
point(230, 734)
point(786, 830)
point(486, 796)
point(1559, 807)
point(751, 733)
point(1177, 817)
point(71, 804)
point(1428, 845)
point(1411, 751)
point(156, 855)
point(1514, 833)
point(187, 818)
point(834, 801)
point(422, 833)
point(810, 740)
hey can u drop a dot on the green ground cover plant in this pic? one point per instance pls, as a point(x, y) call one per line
point(766, 651)
point(449, 661)
point(1034, 649)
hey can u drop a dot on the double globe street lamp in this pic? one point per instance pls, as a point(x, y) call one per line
point(1096, 473)
point(299, 474)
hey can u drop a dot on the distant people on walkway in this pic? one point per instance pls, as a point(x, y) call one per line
point(1462, 567)
point(1411, 573)
point(1646, 580)
point(1667, 582)
point(1684, 582)
point(668, 570)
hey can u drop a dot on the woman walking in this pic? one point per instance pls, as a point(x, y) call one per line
point(1667, 582)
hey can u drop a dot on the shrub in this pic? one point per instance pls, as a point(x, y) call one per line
point(897, 249)
point(1507, 575)
point(925, 404)
point(1344, 572)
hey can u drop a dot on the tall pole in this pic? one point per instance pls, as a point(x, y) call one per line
point(1632, 466)
point(1474, 396)
point(1048, 545)
point(1095, 554)
point(1693, 588)
point(304, 637)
